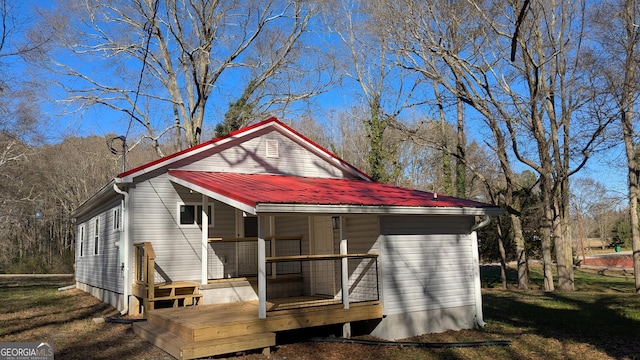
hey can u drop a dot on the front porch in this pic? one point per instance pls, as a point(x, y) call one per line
point(209, 330)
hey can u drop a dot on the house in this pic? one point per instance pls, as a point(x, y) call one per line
point(292, 230)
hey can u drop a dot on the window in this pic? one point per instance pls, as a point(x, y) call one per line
point(192, 214)
point(116, 218)
point(81, 239)
point(251, 226)
point(96, 235)
point(246, 226)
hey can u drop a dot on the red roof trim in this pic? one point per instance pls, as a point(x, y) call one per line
point(239, 133)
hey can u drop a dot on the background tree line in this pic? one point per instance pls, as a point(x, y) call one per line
point(541, 86)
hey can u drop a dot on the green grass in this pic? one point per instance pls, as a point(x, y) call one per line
point(601, 320)
point(585, 279)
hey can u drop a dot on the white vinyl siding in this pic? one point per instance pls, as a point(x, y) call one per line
point(427, 263)
point(101, 269)
point(155, 219)
point(250, 157)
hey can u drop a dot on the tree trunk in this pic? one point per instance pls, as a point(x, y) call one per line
point(632, 166)
point(461, 171)
point(546, 233)
point(627, 105)
point(447, 181)
point(521, 254)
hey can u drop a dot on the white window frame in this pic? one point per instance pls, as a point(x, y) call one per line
point(96, 236)
point(196, 211)
point(117, 218)
point(81, 239)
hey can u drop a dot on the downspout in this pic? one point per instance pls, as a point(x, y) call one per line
point(476, 268)
point(481, 224)
point(125, 242)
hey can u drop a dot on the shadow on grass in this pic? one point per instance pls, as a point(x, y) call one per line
point(605, 321)
point(27, 323)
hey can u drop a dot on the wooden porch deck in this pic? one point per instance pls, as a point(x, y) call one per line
point(209, 330)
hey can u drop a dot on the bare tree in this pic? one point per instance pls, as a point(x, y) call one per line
point(384, 89)
point(535, 103)
point(618, 37)
point(166, 59)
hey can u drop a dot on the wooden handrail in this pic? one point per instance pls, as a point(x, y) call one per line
point(232, 239)
point(147, 248)
point(318, 257)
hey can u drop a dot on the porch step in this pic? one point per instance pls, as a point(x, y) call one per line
point(181, 348)
point(172, 294)
point(189, 299)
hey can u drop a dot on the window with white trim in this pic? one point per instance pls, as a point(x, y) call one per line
point(191, 214)
point(116, 218)
point(81, 239)
point(96, 236)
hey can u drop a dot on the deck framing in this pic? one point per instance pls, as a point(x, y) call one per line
point(209, 330)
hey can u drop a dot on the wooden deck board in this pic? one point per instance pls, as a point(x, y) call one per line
point(207, 322)
point(206, 330)
point(184, 349)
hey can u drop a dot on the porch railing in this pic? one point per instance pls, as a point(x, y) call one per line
point(323, 280)
point(236, 257)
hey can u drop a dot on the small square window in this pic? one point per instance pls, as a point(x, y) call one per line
point(187, 214)
point(192, 214)
point(251, 226)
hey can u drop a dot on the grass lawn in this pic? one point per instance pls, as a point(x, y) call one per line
point(601, 320)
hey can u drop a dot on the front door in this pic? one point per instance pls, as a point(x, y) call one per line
point(324, 270)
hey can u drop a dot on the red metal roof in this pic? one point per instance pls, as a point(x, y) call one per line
point(253, 189)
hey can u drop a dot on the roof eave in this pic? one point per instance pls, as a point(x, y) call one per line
point(99, 197)
point(243, 205)
point(269, 208)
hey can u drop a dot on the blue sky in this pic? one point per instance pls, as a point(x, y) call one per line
point(607, 168)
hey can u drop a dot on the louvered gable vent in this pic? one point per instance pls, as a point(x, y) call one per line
point(272, 149)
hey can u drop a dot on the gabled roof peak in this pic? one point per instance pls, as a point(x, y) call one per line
point(273, 122)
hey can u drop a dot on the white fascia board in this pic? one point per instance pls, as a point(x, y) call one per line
point(224, 199)
point(381, 210)
point(97, 198)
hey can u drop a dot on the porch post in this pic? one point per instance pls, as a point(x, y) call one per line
point(204, 276)
point(477, 285)
point(262, 269)
point(272, 231)
point(345, 263)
